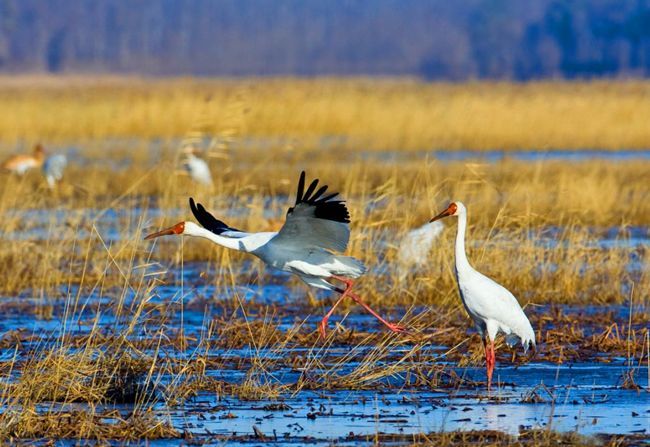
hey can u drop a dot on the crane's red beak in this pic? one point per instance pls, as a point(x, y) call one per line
point(451, 209)
point(179, 228)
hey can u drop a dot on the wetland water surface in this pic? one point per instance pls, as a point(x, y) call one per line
point(585, 396)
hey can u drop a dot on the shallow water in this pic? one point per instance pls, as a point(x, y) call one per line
point(578, 405)
point(536, 155)
point(496, 155)
point(336, 142)
point(585, 396)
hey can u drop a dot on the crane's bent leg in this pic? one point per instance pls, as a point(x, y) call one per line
point(322, 327)
point(348, 282)
point(392, 326)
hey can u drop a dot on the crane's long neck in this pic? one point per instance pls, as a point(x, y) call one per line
point(462, 264)
point(232, 243)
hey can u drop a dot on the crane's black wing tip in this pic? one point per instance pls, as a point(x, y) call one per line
point(335, 210)
point(324, 207)
point(207, 220)
point(301, 188)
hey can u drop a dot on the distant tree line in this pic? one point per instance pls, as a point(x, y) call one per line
point(434, 39)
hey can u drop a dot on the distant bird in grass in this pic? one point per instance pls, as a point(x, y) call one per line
point(21, 163)
point(492, 307)
point(315, 227)
point(414, 246)
point(196, 167)
point(53, 168)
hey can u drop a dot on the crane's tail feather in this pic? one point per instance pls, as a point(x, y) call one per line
point(352, 267)
point(512, 339)
point(527, 342)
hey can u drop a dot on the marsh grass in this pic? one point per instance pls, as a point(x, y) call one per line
point(86, 425)
point(526, 218)
point(103, 358)
point(76, 254)
point(368, 113)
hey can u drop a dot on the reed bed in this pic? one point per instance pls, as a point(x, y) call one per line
point(538, 227)
point(403, 114)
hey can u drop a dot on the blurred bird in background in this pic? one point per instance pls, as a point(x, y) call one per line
point(196, 167)
point(21, 163)
point(53, 169)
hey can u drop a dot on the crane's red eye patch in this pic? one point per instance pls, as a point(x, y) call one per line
point(452, 208)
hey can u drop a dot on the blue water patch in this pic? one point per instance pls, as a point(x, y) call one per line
point(569, 155)
point(497, 155)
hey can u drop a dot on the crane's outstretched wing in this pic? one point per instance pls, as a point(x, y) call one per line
point(209, 222)
point(316, 221)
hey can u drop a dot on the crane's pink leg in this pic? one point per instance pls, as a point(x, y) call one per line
point(345, 293)
point(494, 357)
point(487, 360)
point(322, 326)
point(490, 360)
point(393, 327)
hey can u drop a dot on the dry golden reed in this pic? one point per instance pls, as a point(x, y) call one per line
point(535, 227)
point(368, 113)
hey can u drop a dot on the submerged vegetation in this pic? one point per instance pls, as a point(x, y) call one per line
point(107, 335)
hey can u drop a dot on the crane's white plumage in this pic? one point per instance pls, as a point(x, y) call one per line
point(494, 309)
point(53, 168)
point(315, 227)
point(196, 167)
point(491, 306)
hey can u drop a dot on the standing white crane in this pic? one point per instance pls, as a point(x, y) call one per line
point(315, 227)
point(492, 307)
point(53, 169)
point(196, 167)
